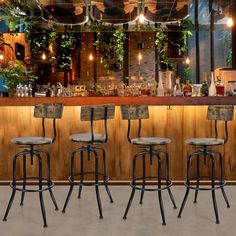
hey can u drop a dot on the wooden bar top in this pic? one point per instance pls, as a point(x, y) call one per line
point(148, 100)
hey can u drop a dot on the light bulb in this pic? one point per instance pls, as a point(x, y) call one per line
point(44, 56)
point(90, 56)
point(187, 61)
point(1, 57)
point(141, 18)
point(230, 22)
point(140, 56)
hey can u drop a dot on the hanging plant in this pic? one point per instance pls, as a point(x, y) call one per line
point(162, 47)
point(67, 42)
point(110, 44)
point(19, 15)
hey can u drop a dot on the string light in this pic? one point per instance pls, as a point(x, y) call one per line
point(1, 57)
point(141, 18)
point(187, 61)
point(90, 56)
point(44, 56)
point(230, 22)
point(139, 58)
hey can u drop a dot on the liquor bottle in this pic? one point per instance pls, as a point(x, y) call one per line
point(187, 89)
point(168, 83)
point(160, 88)
point(220, 89)
point(177, 88)
point(212, 88)
point(204, 88)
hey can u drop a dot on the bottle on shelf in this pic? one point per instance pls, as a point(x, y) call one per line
point(220, 89)
point(160, 88)
point(187, 89)
point(204, 88)
point(168, 83)
point(212, 87)
point(177, 88)
point(30, 90)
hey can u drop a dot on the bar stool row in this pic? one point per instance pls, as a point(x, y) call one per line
point(91, 144)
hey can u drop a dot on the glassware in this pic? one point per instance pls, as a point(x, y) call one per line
point(220, 89)
point(212, 88)
point(187, 89)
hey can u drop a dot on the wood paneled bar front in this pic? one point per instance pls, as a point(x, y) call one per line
point(177, 118)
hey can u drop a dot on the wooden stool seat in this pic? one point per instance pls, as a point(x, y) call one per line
point(204, 141)
point(150, 141)
point(87, 137)
point(31, 141)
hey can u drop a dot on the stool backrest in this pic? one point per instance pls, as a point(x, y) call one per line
point(221, 113)
point(134, 112)
point(48, 111)
point(95, 113)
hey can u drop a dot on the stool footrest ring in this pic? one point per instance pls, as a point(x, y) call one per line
point(49, 183)
point(219, 185)
point(100, 182)
point(150, 189)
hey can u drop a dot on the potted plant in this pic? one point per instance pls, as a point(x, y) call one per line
point(16, 73)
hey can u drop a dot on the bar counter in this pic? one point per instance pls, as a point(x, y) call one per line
point(148, 100)
point(177, 118)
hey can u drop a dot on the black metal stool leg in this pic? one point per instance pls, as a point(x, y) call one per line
point(24, 180)
point(41, 192)
point(49, 182)
point(197, 181)
point(187, 188)
point(13, 190)
point(133, 187)
point(96, 185)
point(168, 181)
point(144, 180)
point(71, 183)
point(159, 191)
point(213, 189)
point(221, 180)
point(82, 172)
point(105, 174)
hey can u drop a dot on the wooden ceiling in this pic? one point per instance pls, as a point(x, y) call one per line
point(116, 11)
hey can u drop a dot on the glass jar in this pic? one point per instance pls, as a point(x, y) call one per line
point(231, 88)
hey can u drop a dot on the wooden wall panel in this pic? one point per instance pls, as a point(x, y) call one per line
point(177, 123)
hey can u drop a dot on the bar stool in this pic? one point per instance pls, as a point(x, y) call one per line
point(149, 148)
point(44, 111)
point(91, 143)
point(204, 149)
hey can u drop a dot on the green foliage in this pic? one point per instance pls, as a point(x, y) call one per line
point(162, 46)
point(67, 40)
point(111, 46)
point(16, 73)
point(186, 73)
point(64, 58)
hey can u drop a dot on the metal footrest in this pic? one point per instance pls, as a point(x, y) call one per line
point(148, 188)
point(77, 182)
point(49, 184)
point(218, 185)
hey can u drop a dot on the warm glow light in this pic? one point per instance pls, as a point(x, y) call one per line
point(187, 61)
point(90, 56)
point(230, 22)
point(141, 18)
point(44, 56)
point(1, 57)
point(140, 56)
